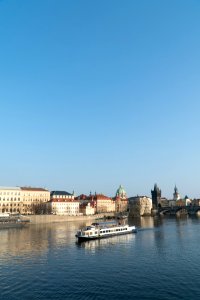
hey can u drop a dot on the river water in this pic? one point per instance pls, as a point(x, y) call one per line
point(161, 261)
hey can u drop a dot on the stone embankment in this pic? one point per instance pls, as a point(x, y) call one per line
point(43, 219)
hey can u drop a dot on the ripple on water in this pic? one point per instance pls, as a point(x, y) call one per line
point(45, 262)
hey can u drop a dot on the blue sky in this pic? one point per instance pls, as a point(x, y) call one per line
point(100, 93)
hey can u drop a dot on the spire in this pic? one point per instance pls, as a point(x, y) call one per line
point(175, 189)
point(176, 193)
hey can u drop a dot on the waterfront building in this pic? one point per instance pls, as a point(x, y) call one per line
point(61, 195)
point(164, 202)
point(140, 206)
point(83, 198)
point(187, 201)
point(87, 209)
point(103, 203)
point(34, 199)
point(121, 200)
point(10, 200)
point(63, 203)
point(87, 204)
point(184, 202)
point(171, 203)
point(196, 202)
point(23, 200)
point(156, 196)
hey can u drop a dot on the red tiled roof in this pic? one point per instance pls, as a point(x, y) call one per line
point(82, 197)
point(84, 205)
point(101, 197)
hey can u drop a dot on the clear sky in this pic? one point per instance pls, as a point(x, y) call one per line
point(95, 94)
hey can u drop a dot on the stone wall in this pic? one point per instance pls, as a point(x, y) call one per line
point(140, 206)
point(38, 219)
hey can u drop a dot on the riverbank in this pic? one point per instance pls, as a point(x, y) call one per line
point(43, 219)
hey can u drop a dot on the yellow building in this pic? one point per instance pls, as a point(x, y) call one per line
point(104, 203)
point(10, 200)
point(33, 200)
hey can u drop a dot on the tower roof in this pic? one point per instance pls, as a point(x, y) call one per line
point(175, 189)
point(120, 191)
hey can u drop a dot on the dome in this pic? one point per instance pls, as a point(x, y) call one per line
point(121, 192)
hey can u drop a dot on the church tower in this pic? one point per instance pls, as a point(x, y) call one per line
point(121, 201)
point(156, 196)
point(176, 195)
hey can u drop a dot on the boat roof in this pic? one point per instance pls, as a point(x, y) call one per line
point(104, 223)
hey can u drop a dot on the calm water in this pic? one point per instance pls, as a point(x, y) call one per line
point(161, 261)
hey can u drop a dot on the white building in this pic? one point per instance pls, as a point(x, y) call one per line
point(63, 203)
point(64, 207)
point(87, 209)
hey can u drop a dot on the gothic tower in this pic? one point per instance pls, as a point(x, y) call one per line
point(156, 195)
point(176, 195)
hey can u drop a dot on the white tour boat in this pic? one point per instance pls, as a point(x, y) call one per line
point(103, 230)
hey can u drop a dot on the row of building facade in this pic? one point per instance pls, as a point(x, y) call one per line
point(29, 200)
point(177, 200)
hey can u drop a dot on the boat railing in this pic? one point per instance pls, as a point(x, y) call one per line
point(109, 226)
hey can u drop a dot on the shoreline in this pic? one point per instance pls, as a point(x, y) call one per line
point(44, 219)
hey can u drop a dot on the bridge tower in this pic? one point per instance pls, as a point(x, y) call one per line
point(156, 196)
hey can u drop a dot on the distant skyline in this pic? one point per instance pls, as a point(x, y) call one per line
point(95, 94)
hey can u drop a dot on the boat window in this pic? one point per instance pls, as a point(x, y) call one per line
point(96, 232)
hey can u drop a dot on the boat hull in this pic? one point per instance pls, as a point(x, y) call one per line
point(88, 238)
point(13, 222)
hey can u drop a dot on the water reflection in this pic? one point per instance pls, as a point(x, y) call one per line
point(146, 222)
point(100, 244)
point(37, 240)
point(19, 242)
point(45, 262)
